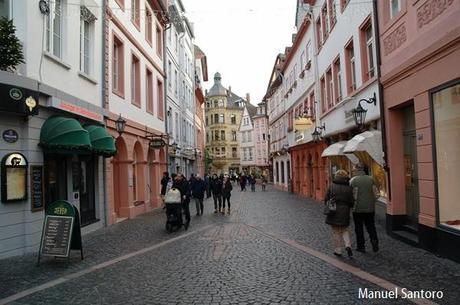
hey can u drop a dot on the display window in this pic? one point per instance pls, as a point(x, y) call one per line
point(446, 119)
point(376, 171)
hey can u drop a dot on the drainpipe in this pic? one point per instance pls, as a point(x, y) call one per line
point(104, 106)
point(165, 52)
point(380, 93)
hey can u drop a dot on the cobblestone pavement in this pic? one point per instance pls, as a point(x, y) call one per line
point(231, 260)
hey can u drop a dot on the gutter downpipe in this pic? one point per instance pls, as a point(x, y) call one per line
point(104, 104)
point(165, 53)
point(380, 93)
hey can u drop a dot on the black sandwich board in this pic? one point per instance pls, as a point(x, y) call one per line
point(61, 231)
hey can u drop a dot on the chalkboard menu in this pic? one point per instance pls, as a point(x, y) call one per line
point(36, 187)
point(57, 235)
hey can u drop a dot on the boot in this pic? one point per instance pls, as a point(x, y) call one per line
point(228, 211)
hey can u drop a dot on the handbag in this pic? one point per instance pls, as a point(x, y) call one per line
point(331, 205)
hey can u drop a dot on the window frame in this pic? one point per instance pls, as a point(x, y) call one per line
point(149, 100)
point(135, 80)
point(118, 60)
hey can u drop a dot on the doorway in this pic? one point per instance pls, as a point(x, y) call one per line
point(86, 189)
point(410, 167)
point(55, 178)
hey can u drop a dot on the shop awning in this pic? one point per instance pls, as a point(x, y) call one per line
point(64, 135)
point(102, 143)
point(369, 142)
point(336, 149)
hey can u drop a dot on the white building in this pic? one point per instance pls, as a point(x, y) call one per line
point(180, 91)
point(247, 144)
point(63, 73)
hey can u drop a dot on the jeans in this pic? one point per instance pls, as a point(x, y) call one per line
point(340, 235)
point(367, 220)
point(226, 198)
point(199, 205)
point(217, 197)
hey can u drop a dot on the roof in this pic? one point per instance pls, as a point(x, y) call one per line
point(217, 89)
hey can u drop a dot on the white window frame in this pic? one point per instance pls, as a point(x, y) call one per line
point(393, 14)
point(370, 52)
point(50, 29)
point(87, 36)
point(353, 69)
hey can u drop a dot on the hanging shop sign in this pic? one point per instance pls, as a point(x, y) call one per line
point(14, 177)
point(301, 124)
point(157, 143)
point(10, 136)
point(36, 188)
point(61, 231)
point(18, 100)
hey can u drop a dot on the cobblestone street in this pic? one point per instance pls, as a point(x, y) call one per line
point(273, 249)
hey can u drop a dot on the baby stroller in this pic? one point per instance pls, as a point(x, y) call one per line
point(173, 210)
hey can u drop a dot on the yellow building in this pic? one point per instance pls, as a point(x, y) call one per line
point(223, 112)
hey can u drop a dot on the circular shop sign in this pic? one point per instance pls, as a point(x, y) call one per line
point(16, 94)
point(10, 136)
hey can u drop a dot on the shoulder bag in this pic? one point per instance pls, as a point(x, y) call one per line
point(331, 205)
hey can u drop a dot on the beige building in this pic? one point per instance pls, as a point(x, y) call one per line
point(223, 113)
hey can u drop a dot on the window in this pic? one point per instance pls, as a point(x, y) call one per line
point(263, 136)
point(329, 89)
point(337, 81)
point(54, 28)
point(149, 90)
point(5, 8)
point(323, 94)
point(207, 137)
point(395, 7)
point(234, 152)
point(135, 81)
point(170, 122)
point(367, 49)
point(176, 82)
point(318, 33)
point(135, 13)
point(160, 99)
point(86, 40)
point(148, 25)
point(216, 135)
point(176, 121)
point(223, 151)
point(332, 12)
point(222, 135)
point(343, 4)
point(250, 153)
point(446, 109)
point(118, 85)
point(207, 121)
point(249, 136)
point(216, 118)
point(350, 67)
point(221, 118)
point(169, 74)
point(233, 119)
point(159, 34)
point(233, 135)
point(324, 22)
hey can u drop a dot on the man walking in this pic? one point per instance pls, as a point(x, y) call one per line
point(184, 188)
point(164, 184)
point(216, 188)
point(364, 193)
point(198, 189)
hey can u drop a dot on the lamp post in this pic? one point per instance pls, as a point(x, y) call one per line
point(359, 113)
point(120, 124)
point(316, 134)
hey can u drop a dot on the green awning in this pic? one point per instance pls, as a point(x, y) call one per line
point(101, 141)
point(64, 135)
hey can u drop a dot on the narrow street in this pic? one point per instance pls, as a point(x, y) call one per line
point(273, 249)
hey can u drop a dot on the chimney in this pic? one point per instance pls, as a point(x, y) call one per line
point(205, 91)
point(248, 97)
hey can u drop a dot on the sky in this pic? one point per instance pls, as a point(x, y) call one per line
point(241, 39)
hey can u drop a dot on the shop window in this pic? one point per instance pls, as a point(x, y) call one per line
point(376, 171)
point(446, 109)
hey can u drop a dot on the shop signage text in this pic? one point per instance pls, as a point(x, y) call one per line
point(157, 143)
point(80, 111)
point(10, 136)
point(18, 100)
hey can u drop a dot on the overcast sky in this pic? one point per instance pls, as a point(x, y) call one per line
point(241, 39)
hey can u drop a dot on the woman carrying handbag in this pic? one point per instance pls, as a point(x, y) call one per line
point(339, 201)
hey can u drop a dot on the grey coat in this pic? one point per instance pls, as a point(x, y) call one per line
point(343, 194)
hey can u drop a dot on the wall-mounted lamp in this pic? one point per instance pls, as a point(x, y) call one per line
point(359, 113)
point(120, 124)
point(318, 132)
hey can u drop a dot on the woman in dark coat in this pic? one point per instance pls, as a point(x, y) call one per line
point(226, 194)
point(340, 219)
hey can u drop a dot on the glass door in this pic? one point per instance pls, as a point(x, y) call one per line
point(86, 189)
point(55, 178)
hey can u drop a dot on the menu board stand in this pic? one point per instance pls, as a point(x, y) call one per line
point(61, 231)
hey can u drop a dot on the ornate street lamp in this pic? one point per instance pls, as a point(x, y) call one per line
point(318, 132)
point(120, 124)
point(359, 113)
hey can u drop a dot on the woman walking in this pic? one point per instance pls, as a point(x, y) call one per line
point(342, 193)
point(227, 192)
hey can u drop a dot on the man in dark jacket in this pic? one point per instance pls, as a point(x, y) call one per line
point(207, 184)
point(198, 189)
point(164, 184)
point(364, 192)
point(183, 186)
point(216, 188)
point(339, 220)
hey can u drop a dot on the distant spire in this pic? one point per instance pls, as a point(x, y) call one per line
point(217, 77)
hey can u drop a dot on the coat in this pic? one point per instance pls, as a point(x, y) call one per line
point(164, 184)
point(216, 186)
point(198, 189)
point(227, 189)
point(363, 188)
point(184, 188)
point(343, 194)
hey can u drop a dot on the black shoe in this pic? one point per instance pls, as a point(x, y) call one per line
point(375, 246)
point(362, 250)
point(338, 254)
point(349, 252)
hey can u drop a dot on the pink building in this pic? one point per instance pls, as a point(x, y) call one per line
point(420, 61)
point(260, 121)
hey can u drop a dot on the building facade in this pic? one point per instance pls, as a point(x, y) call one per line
point(223, 112)
point(180, 95)
point(135, 47)
point(420, 51)
point(201, 76)
point(51, 119)
point(245, 137)
point(260, 121)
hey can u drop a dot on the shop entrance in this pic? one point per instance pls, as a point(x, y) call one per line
point(410, 166)
point(85, 187)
